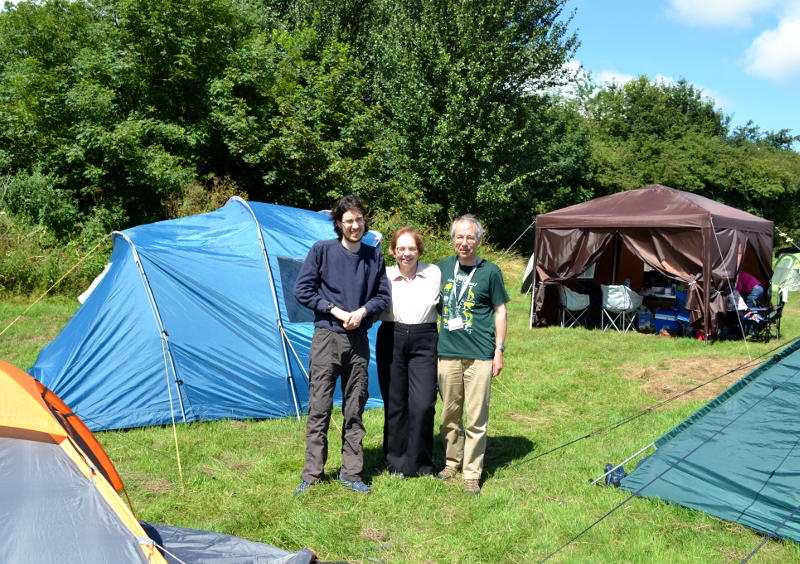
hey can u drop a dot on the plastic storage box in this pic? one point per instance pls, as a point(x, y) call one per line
point(666, 319)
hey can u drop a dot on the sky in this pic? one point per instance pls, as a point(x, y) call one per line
point(743, 54)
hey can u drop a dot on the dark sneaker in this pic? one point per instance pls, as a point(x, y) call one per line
point(447, 473)
point(472, 487)
point(358, 486)
point(302, 487)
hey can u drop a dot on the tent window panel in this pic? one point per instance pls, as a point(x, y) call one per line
point(297, 313)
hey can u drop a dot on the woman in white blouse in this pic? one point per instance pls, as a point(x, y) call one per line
point(406, 357)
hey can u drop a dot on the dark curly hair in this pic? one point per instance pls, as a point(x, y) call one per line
point(347, 203)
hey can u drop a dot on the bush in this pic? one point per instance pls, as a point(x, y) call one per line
point(34, 197)
point(32, 258)
point(196, 198)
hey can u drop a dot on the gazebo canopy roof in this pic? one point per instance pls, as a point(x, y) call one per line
point(653, 206)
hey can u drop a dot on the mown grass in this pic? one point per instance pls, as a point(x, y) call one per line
point(558, 386)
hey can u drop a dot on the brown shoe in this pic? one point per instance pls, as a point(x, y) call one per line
point(447, 473)
point(472, 487)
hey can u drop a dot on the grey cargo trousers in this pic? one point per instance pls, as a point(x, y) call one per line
point(333, 355)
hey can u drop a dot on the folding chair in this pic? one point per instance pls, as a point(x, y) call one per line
point(573, 306)
point(762, 320)
point(620, 304)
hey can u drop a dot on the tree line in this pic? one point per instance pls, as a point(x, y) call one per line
point(113, 110)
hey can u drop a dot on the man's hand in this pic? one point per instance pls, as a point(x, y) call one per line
point(497, 363)
point(354, 318)
point(340, 314)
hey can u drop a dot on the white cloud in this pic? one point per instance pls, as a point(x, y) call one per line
point(775, 53)
point(720, 13)
point(609, 76)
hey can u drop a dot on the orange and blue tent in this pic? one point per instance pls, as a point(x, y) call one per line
point(59, 495)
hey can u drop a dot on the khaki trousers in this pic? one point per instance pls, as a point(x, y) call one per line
point(465, 383)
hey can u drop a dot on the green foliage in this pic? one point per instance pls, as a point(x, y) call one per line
point(292, 114)
point(641, 109)
point(455, 81)
point(35, 198)
point(196, 198)
point(120, 112)
point(32, 258)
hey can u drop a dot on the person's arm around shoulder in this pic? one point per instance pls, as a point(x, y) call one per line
point(499, 298)
point(500, 314)
point(435, 276)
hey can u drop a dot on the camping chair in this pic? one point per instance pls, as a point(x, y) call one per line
point(760, 321)
point(620, 304)
point(573, 306)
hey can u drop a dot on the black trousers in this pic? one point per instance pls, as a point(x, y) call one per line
point(406, 358)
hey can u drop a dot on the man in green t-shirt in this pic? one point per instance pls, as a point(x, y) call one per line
point(473, 299)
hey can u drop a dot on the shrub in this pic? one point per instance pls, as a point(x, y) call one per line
point(32, 258)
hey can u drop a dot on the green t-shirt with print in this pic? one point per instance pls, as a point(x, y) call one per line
point(474, 306)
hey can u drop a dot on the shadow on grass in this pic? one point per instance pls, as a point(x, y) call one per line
point(504, 450)
point(500, 452)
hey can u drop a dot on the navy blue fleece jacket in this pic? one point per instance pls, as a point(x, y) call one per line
point(334, 275)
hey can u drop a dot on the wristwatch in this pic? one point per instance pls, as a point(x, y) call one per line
point(330, 307)
point(500, 348)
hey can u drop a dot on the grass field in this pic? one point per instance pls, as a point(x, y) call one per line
point(558, 385)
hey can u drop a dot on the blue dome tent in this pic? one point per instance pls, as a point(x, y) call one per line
point(194, 319)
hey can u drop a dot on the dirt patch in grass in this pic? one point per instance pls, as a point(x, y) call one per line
point(239, 465)
point(149, 483)
point(529, 421)
point(668, 378)
point(374, 535)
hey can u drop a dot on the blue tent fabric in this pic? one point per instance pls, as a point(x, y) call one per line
point(194, 332)
point(738, 457)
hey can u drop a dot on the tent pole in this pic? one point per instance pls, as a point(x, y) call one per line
point(163, 335)
point(616, 259)
point(278, 319)
point(533, 295)
point(706, 282)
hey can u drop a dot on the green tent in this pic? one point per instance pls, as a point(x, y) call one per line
point(737, 458)
point(787, 272)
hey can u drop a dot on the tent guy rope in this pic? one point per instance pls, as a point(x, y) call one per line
point(645, 411)
point(56, 283)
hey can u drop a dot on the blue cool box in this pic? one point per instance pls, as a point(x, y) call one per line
point(666, 319)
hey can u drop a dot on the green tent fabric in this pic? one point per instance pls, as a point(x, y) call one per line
point(738, 457)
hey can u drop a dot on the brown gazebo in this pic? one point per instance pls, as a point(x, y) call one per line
point(686, 237)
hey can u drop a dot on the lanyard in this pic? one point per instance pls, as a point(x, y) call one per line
point(466, 283)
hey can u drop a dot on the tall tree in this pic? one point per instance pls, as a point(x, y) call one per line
point(461, 85)
point(459, 81)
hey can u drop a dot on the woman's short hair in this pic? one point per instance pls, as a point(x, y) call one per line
point(470, 219)
point(408, 230)
point(346, 204)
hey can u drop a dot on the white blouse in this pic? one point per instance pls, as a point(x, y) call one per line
point(414, 299)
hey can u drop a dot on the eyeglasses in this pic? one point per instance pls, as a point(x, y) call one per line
point(350, 222)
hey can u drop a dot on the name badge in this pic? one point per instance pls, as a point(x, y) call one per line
point(455, 323)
